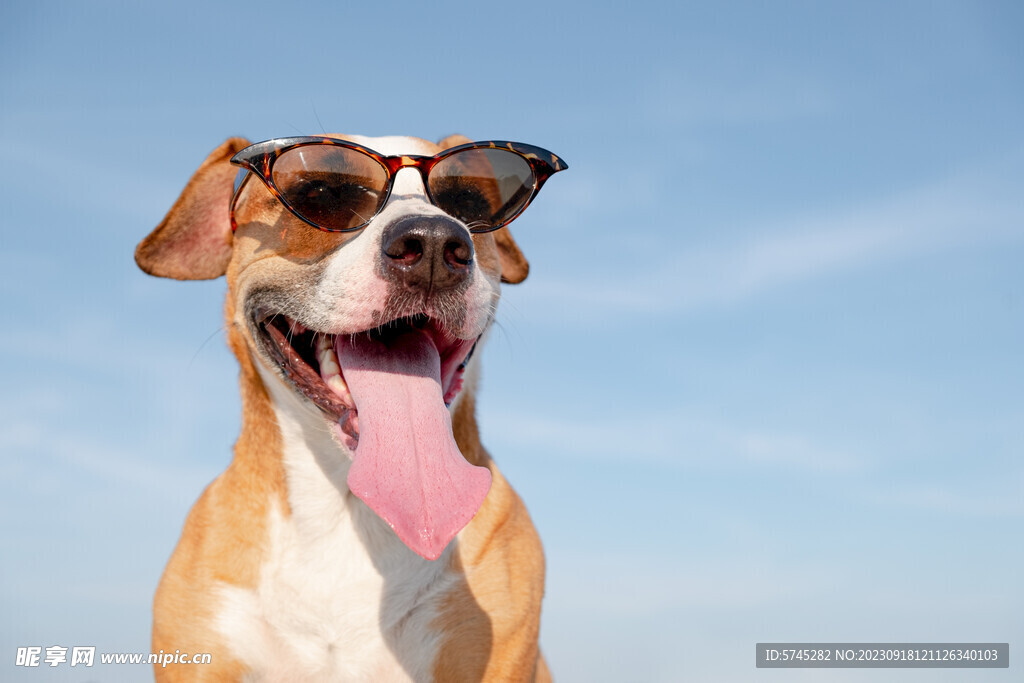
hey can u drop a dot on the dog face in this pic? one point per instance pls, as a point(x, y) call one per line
point(300, 291)
point(372, 329)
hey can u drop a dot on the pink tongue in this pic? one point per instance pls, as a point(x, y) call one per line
point(407, 467)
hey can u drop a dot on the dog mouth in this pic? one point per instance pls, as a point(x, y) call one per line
point(310, 360)
point(389, 390)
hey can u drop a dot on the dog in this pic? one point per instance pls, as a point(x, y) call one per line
point(361, 531)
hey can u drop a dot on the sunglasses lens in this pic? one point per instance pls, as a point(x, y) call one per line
point(484, 188)
point(334, 187)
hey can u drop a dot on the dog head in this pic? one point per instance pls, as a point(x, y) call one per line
point(371, 328)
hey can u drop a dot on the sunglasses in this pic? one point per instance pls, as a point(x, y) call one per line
point(339, 186)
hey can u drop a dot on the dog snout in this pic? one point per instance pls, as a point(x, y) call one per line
point(428, 253)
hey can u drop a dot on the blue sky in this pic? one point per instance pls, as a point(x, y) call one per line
point(764, 382)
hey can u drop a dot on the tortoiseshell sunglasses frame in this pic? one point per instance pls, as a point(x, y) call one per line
point(258, 159)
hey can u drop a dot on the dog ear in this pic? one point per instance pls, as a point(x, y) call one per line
point(453, 141)
point(193, 242)
point(514, 266)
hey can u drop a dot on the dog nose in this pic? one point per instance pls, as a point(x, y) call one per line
point(429, 253)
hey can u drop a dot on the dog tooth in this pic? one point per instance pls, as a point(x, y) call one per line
point(329, 365)
point(325, 355)
point(337, 384)
point(330, 369)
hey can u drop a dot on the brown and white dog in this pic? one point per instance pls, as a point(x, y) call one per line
point(282, 573)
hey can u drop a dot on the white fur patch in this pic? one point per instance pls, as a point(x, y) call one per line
point(339, 596)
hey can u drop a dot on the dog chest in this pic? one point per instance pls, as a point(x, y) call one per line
point(323, 610)
point(339, 597)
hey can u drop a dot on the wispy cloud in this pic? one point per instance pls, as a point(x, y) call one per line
point(83, 400)
point(33, 453)
point(1002, 498)
point(632, 585)
point(972, 209)
point(669, 439)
